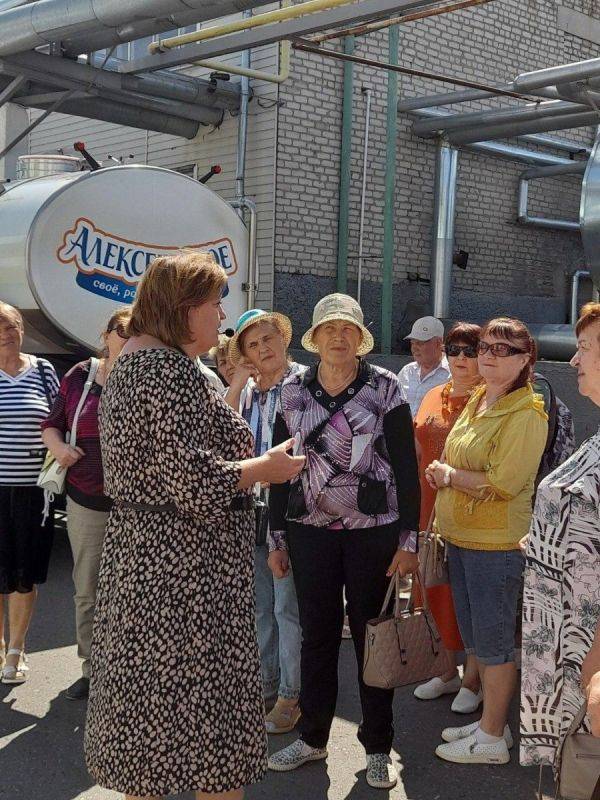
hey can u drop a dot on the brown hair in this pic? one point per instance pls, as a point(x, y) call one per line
point(463, 332)
point(10, 312)
point(119, 317)
point(588, 316)
point(516, 332)
point(172, 286)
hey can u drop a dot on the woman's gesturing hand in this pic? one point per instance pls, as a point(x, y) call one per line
point(403, 563)
point(67, 455)
point(279, 563)
point(280, 467)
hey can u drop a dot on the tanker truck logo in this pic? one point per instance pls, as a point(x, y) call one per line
point(112, 266)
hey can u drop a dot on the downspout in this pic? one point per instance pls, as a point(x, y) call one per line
point(243, 124)
point(363, 194)
point(389, 195)
point(580, 273)
point(446, 172)
point(344, 190)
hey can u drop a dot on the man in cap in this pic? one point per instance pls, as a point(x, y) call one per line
point(430, 367)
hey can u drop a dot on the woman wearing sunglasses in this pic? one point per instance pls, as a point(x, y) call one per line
point(87, 505)
point(483, 508)
point(439, 410)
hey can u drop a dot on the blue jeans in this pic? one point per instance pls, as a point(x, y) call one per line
point(278, 630)
point(485, 589)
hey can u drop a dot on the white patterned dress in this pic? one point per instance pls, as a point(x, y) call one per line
point(176, 699)
point(561, 606)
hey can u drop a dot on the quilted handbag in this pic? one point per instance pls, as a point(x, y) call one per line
point(578, 762)
point(405, 646)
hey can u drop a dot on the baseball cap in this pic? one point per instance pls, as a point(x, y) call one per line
point(426, 328)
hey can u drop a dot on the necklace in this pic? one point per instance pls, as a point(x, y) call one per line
point(333, 389)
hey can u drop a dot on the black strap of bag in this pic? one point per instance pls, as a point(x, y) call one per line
point(40, 369)
point(596, 792)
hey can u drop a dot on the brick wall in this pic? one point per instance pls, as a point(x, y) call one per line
point(512, 269)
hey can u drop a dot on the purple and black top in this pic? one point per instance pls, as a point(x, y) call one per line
point(85, 479)
point(361, 465)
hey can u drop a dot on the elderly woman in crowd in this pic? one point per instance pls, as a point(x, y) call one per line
point(561, 611)
point(175, 698)
point(438, 411)
point(259, 346)
point(483, 509)
point(220, 355)
point(28, 387)
point(87, 505)
point(349, 521)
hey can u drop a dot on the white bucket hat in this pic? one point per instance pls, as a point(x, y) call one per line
point(338, 307)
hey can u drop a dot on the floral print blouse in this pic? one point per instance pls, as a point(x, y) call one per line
point(361, 465)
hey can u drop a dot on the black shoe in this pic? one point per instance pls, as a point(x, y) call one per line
point(79, 690)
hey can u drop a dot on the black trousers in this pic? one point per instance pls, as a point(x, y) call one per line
point(326, 561)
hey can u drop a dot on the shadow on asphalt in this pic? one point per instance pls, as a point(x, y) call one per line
point(43, 756)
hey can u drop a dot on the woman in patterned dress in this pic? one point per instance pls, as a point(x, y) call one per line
point(175, 697)
point(561, 610)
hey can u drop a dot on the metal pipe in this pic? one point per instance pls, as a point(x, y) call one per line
point(12, 88)
point(530, 112)
point(576, 71)
point(285, 51)
point(523, 217)
point(444, 212)
point(449, 98)
point(389, 194)
point(575, 168)
point(214, 31)
point(252, 275)
point(567, 145)
point(362, 30)
point(577, 275)
point(363, 193)
point(87, 25)
point(510, 130)
point(555, 342)
point(345, 170)
point(513, 152)
point(32, 125)
point(240, 172)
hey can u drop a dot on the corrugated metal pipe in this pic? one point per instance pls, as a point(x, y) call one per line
point(81, 23)
point(523, 217)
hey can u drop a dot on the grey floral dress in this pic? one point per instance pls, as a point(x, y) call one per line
point(561, 606)
point(175, 700)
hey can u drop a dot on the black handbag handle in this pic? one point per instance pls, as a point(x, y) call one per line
point(596, 792)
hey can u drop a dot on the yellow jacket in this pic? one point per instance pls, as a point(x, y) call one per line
point(506, 442)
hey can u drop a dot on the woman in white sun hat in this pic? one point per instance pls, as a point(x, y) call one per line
point(258, 352)
point(349, 521)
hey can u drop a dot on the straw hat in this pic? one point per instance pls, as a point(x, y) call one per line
point(338, 307)
point(253, 317)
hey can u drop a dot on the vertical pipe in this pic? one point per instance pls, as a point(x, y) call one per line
point(577, 275)
point(344, 190)
point(446, 169)
point(363, 195)
point(240, 172)
point(390, 190)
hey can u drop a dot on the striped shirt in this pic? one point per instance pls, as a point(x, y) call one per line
point(23, 406)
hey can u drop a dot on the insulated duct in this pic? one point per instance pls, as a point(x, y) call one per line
point(444, 213)
point(589, 214)
point(523, 216)
point(508, 131)
point(84, 25)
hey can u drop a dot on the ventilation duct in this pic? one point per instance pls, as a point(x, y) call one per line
point(589, 215)
point(84, 25)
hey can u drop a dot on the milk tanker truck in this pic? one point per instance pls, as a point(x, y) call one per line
point(75, 244)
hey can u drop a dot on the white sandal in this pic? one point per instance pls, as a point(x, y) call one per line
point(14, 674)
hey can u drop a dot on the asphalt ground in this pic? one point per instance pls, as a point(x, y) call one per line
point(41, 732)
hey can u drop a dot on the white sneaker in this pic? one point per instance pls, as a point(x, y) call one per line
point(455, 734)
point(381, 773)
point(436, 688)
point(466, 701)
point(295, 755)
point(470, 751)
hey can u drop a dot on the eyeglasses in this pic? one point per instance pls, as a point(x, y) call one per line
point(456, 349)
point(499, 349)
point(120, 329)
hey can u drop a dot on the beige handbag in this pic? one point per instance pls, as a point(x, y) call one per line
point(578, 762)
point(403, 647)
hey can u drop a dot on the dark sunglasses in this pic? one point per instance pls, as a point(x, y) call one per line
point(120, 329)
point(499, 349)
point(456, 349)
